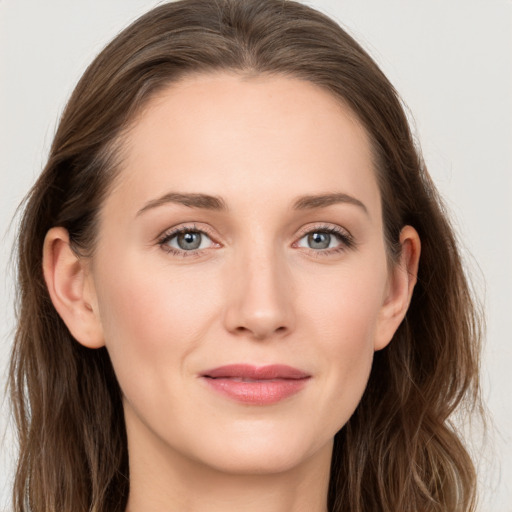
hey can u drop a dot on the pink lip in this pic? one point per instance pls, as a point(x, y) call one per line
point(261, 385)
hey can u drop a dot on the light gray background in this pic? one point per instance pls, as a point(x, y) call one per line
point(451, 60)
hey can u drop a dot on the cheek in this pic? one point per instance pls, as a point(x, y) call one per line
point(346, 321)
point(348, 343)
point(346, 304)
point(150, 318)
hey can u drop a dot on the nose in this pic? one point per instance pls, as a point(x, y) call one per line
point(260, 297)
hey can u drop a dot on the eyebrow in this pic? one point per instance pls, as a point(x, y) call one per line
point(208, 202)
point(325, 200)
point(203, 201)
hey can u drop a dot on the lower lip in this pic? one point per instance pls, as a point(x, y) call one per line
point(261, 392)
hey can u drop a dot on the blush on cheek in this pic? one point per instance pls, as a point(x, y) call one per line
point(146, 317)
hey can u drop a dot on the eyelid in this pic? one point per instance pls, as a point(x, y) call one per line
point(163, 239)
point(323, 226)
point(344, 236)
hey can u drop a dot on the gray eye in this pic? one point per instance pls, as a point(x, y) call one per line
point(189, 241)
point(319, 240)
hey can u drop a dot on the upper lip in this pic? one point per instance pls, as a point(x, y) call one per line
point(247, 371)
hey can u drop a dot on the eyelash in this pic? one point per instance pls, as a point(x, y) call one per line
point(169, 235)
point(346, 240)
point(344, 237)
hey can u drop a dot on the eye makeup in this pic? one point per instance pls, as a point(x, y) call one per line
point(191, 240)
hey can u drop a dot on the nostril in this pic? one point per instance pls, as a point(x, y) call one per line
point(261, 332)
point(262, 313)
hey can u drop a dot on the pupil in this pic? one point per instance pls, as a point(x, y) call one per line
point(188, 241)
point(319, 240)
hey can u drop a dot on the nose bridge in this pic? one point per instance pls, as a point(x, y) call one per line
point(261, 291)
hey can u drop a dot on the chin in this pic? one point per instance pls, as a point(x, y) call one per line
point(260, 453)
point(246, 462)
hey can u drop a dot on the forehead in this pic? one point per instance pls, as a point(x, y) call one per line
point(225, 134)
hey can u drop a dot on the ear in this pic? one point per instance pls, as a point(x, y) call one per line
point(402, 278)
point(71, 289)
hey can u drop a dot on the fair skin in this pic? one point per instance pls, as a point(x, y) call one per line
point(264, 274)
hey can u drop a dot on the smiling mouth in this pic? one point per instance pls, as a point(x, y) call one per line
point(254, 385)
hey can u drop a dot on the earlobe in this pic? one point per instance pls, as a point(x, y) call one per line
point(70, 289)
point(400, 288)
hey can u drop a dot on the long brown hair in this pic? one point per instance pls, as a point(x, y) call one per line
point(399, 451)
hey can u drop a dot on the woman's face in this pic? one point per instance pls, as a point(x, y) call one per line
point(244, 231)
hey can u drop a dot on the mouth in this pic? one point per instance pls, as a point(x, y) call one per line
point(263, 385)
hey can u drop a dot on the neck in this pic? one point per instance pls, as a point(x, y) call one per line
point(165, 481)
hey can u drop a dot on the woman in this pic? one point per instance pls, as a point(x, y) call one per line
point(238, 288)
